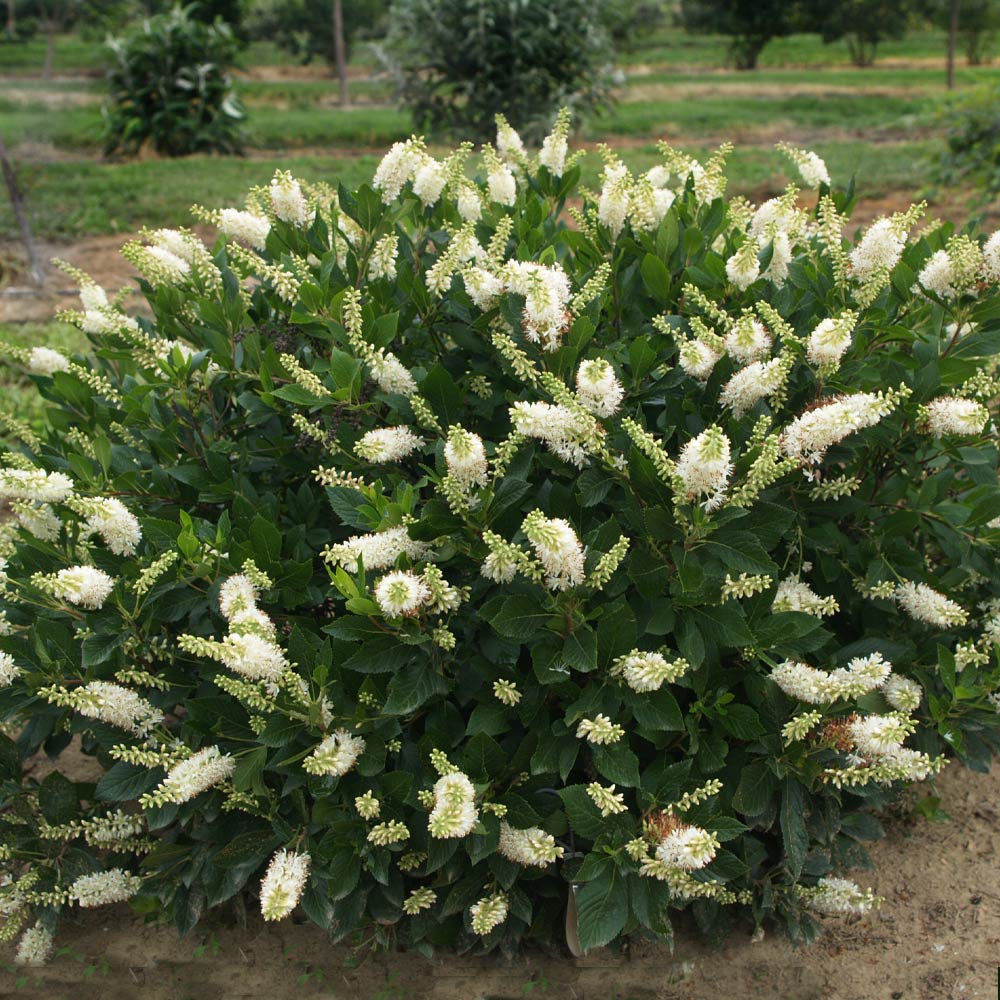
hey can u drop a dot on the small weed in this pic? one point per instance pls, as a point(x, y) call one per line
point(211, 945)
point(537, 982)
point(391, 991)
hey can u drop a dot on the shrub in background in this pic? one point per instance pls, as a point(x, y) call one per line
point(972, 155)
point(170, 88)
point(463, 61)
point(422, 556)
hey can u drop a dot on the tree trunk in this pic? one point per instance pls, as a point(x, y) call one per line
point(340, 50)
point(17, 204)
point(50, 51)
point(956, 6)
point(11, 18)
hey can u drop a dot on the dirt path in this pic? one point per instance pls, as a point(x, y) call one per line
point(937, 937)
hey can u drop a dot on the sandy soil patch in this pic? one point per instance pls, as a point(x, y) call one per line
point(937, 937)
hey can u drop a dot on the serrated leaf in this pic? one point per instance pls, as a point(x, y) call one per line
point(413, 687)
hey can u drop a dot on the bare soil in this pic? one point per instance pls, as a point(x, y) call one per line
point(936, 937)
point(99, 256)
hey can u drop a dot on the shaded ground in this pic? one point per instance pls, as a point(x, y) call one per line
point(937, 937)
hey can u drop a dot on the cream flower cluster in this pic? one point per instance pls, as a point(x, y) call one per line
point(598, 389)
point(796, 595)
point(830, 340)
point(9, 671)
point(112, 520)
point(953, 415)
point(532, 847)
point(34, 485)
point(249, 648)
point(564, 432)
point(903, 694)
point(377, 550)
point(748, 340)
point(397, 168)
point(401, 593)
point(245, 226)
point(558, 550)
point(599, 730)
point(809, 436)
point(819, 687)
point(387, 444)
point(687, 847)
point(811, 166)
point(955, 270)
point(607, 800)
point(924, 604)
point(644, 672)
point(697, 359)
point(705, 465)
point(116, 705)
point(184, 781)
point(454, 813)
point(46, 361)
point(283, 884)
point(85, 586)
point(643, 201)
point(489, 912)
point(839, 896)
point(35, 947)
point(112, 886)
point(465, 457)
point(546, 292)
point(758, 380)
point(336, 754)
point(288, 203)
point(879, 249)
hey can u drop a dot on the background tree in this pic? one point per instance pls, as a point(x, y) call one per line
point(305, 28)
point(978, 23)
point(54, 18)
point(629, 22)
point(462, 61)
point(750, 24)
point(862, 24)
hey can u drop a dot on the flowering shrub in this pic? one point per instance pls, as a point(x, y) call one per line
point(435, 547)
point(170, 86)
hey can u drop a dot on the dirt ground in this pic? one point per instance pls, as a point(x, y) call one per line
point(99, 256)
point(936, 937)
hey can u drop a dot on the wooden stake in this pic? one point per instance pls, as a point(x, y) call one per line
point(956, 6)
point(17, 203)
point(340, 50)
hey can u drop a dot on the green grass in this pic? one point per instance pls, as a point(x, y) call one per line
point(71, 200)
point(882, 125)
point(673, 47)
point(730, 115)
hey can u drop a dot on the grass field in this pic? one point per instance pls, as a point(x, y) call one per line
point(882, 125)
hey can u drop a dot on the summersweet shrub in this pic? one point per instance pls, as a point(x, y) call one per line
point(170, 88)
point(435, 547)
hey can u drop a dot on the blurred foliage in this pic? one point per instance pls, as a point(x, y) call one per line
point(462, 61)
point(171, 88)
